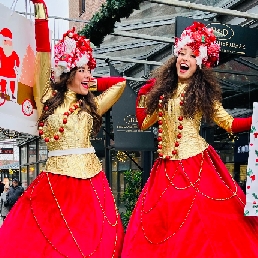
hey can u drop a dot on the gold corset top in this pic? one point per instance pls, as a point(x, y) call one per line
point(190, 143)
point(76, 135)
point(77, 132)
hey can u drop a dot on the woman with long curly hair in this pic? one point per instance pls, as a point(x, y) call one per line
point(68, 210)
point(190, 205)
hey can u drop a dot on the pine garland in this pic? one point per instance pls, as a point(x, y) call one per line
point(103, 22)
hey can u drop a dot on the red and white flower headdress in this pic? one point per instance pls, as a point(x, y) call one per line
point(203, 43)
point(72, 51)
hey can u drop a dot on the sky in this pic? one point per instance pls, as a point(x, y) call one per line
point(59, 8)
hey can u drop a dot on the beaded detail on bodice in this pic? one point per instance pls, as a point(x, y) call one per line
point(187, 140)
point(76, 134)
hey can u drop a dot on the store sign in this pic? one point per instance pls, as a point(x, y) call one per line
point(231, 38)
point(6, 151)
point(241, 149)
point(98, 141)
point(126, 132)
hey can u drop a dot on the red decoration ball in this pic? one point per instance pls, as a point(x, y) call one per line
point(46, 139)
point(56, 137)
point(61, 129)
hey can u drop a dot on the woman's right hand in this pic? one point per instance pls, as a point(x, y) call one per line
point(140, 101)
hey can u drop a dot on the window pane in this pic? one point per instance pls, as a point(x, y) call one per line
point(32, 173)
point(32, 152)
point(42, 150)
point(42, 167)
point(24, 177)
point(24, 155)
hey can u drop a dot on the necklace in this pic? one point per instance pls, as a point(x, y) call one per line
point(62, 127)
point(179, 127)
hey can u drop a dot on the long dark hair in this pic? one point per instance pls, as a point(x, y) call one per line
point(202, 92)
point(87, 102)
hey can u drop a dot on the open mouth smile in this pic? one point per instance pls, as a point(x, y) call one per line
point(85, 84)
point(184, 68)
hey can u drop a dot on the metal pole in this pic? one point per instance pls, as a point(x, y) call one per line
point(143, 36)
point(207, 8)
point(108, 169)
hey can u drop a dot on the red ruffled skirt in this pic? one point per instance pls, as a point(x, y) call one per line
point(191, 208)
point(61, 216)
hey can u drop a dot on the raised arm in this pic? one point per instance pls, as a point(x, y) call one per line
point(145, 120)
point(113, 88)
point(43, 59)
point(232, 125)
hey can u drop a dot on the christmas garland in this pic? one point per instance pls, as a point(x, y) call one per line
point(103, 22)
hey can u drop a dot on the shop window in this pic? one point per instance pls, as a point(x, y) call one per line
point(32, 173)
point(24, 173)
point(42, 167)
point(42, 150)
point(32, 152)
point(23, 155)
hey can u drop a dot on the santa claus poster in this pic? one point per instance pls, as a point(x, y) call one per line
point(17, 66)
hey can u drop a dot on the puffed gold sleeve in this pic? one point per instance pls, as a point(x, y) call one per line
point(149, 120)
point(42, 75)
point(144, 120)
point(222, 118)
point(109, 97)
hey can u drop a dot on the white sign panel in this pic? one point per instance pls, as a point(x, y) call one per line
point(251, 208)
point(17, 66)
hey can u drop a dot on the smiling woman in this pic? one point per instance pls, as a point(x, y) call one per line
point(190, 196)
point(68, 210)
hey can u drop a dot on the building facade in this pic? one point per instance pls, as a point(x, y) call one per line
point(82, 10)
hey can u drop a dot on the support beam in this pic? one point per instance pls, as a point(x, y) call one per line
point(143, 36)
point(128, 60)
point(207, 8)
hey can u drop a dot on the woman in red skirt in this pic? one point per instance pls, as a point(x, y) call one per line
point(68, 210)
point(190, 206)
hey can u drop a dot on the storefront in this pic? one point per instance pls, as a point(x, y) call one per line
point(33, 155)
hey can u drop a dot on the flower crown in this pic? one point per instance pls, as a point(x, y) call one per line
point(203, 43)
point(72, 51)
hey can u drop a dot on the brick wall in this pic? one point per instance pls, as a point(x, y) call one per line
point(91, 7)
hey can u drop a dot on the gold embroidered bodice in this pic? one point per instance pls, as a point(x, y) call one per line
point(191, 143)
point(77, 134)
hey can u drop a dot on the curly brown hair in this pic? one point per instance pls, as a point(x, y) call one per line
point(87, 103)
point(203, 90)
